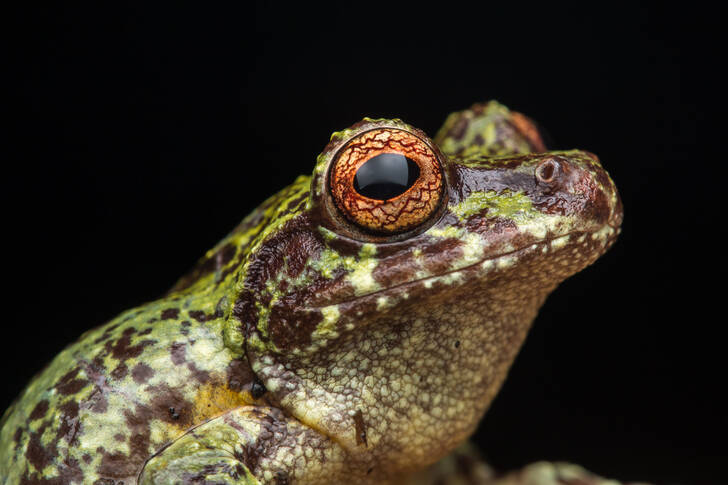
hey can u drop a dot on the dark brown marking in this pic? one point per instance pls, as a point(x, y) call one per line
point(107, 333)
point(141, 373)
point(165, 398)
point(198, 315)
point(98, 402)
point(239, 375)
point(120, 465)
point(459, 128)
point(38, 455)
point(360, 427)
point(177, 352)
point(119, 371)
point(69, 422)
point(244, 311)
point(122, 348)
point(39, 410)
point(69, 384)
point(292, 327)
point(170, 314)
point(250, 454)
point(198, 374)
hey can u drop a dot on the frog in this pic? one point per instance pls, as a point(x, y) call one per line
point(354, 327)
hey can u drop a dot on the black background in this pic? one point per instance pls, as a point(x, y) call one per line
point(140, 136)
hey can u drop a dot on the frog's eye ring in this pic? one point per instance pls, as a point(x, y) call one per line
point(386, 181)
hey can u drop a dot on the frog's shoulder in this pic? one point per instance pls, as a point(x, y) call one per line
point(124, 390)
point(127, 388)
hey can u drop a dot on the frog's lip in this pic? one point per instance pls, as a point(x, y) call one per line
point(613, 232)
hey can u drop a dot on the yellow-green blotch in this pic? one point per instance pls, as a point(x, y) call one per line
point(510, 205)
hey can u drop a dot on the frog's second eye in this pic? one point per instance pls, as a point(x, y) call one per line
point(386, 181)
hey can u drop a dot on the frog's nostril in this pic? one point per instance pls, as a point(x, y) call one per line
point(547, 171)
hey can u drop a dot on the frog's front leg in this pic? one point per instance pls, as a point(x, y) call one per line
point(247, 445)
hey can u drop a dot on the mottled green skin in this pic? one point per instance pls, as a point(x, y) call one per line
point(97, 406)
point(300, 350)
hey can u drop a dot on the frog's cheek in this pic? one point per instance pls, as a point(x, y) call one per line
point(410, 381)
point(374, 413)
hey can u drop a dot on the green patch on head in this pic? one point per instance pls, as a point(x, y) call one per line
point(507, 204)
point(359, 268)
point(326, 329)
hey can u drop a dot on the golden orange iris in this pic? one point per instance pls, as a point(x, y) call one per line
point(397, 214)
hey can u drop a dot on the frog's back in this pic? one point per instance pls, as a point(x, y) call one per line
point(124, 390)
point(110, 400)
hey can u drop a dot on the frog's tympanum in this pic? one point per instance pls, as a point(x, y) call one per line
point(354, 328)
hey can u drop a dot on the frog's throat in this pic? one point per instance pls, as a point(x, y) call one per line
point(605, 236)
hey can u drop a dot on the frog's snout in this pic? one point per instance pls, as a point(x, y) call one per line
point(581, 185)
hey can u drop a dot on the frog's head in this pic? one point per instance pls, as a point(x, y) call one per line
point(389, 295)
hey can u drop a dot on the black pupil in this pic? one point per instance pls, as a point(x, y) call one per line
point(386, 176)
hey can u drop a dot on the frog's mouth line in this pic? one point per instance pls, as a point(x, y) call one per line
point(571, 240)
point(535, 246)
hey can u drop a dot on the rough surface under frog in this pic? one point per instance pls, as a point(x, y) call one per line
point(354, 328)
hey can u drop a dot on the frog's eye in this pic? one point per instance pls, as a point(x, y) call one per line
point(386, 181)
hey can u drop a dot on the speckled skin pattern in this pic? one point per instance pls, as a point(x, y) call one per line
point(303, 350)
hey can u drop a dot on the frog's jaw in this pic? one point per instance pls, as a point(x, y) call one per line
point(406, 388)
point(400, 376)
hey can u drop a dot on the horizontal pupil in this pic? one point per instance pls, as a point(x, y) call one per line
point(386, 176)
